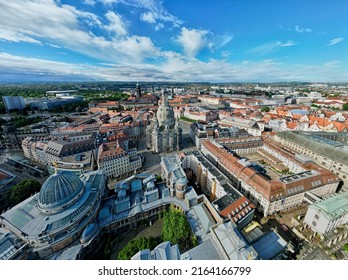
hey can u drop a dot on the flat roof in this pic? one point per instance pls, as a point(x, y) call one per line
point(204, 216)
point(232, 191)
point(207, 164)
point(233, 242)
point(270, 245)
point(204, 251)
point(223, 202)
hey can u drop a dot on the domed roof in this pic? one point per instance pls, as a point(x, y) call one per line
point(88, 232)
point(59, 191)
point(165, 114)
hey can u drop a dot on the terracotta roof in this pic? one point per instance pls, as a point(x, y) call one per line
point(242, 205)
point(108, 151)
point(263, 185)
point(291, 125)
point(4, 176)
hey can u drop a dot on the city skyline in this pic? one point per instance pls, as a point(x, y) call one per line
point(150, 40)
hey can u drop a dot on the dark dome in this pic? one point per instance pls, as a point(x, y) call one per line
point(59, 191)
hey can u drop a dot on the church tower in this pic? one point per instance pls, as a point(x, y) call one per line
point(164, 133)
point(138, 91)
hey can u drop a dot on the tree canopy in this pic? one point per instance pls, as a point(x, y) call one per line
point(23, 190)
point(345, 107)
point(345, 247)
point(265, 109)
point(176, 229)
point(135, 245)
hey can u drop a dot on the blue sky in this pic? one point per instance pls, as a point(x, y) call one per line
point(174, 40)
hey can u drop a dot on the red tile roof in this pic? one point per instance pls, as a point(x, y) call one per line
point(242, 205)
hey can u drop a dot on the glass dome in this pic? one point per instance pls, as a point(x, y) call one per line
point(59, 191)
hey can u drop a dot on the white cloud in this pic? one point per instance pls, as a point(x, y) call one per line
point(223, 40)
point(35, 66)
point(159, 26)
point(53, 45)
point(192, 40)
point(64, 26)
point(137, 46)
point(116, 24)
point(302, 29)
point(175, 67)
point(335, 41)
point(289, 43)
point(271, 47)
point(15, 36)
point(89, 2)
point(155, 12)
point(226, 54)
point(148, 17)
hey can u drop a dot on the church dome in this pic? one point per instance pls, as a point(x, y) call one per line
point(165, 114)
point(59, 191)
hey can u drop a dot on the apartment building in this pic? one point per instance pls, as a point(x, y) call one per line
point(116, 160)
point(271, 195)
point(327, 153)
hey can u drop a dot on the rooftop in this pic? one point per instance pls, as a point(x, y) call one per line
point(320, 146)
point(204, 251)
point(270, 245)
point(233, 242)
point(30, 220)
point(333, 207)
point(212, 169)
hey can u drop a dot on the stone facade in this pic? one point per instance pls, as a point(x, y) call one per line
point(164, 133)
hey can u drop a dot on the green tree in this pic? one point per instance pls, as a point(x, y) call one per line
point(135, 245)
point(187, 119)
point(176, 229)
point(24, 121)
point(345, 247)
point(265, 109)
point(345, 107)
point(23, 190)
point(158, 178)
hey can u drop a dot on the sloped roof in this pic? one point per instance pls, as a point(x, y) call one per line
point(321, 148)
point(333, 207)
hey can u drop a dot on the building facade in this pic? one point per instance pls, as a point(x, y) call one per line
point(174, 175)
point(13, 102)
point(164, 133)
point(271, 195)
point(326, 215)
point(116, 160)
point(326, 153)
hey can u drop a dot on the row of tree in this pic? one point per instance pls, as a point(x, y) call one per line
point(187, 119)
point(19, 192)
point(24, 121)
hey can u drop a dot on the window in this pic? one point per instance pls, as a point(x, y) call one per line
point(314, 223)
point(316, 217)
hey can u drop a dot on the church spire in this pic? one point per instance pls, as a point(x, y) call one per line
point(164, 100)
